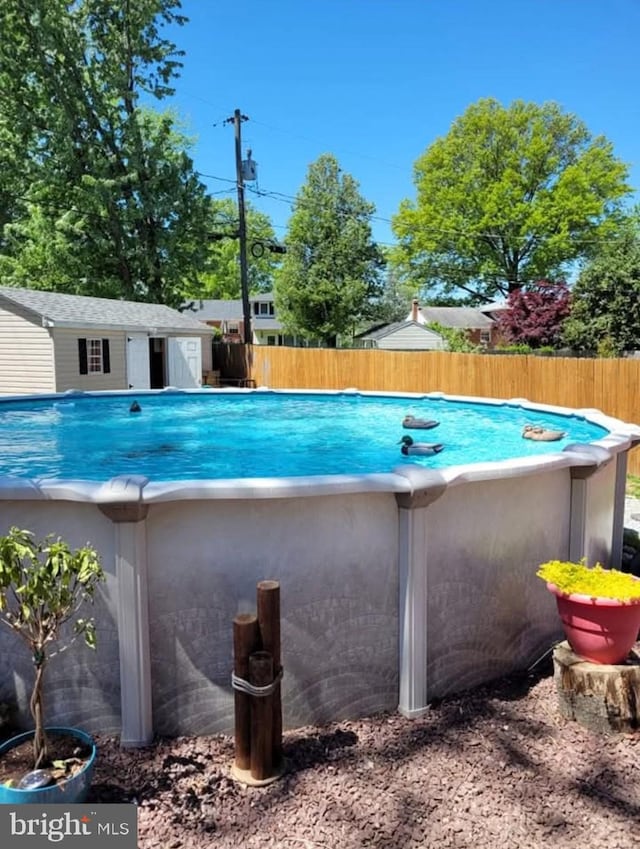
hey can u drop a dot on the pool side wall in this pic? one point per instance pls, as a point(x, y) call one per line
point(342, 563)
point(395, 589)
point(335, 558)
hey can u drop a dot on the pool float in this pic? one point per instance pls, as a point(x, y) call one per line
point(422, 424)
point(409, 447)
point(542, 434)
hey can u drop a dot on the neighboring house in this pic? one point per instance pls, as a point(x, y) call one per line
point(225, 316)
point(401, 336)
point(478, 327)
point(53, 342)
point(494, 310)
point(228, 317)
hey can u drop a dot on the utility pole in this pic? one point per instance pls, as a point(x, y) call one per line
point(237, 120)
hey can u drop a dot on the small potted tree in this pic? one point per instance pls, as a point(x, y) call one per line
point(599, 608)
point(43, 585)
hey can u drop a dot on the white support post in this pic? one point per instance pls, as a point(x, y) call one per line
point(122, 503)
point(413, 573)
point(133, 634)
point(578, 514)
point(580, 478)
point(618, 509)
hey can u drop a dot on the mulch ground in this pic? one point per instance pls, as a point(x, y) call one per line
point(495, 767)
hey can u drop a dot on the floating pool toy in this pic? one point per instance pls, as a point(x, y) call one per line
point(542, 434)
point(422, 424)
point(409, 447)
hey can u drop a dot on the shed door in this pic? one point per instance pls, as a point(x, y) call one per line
point(138, 369)
point(185, 362)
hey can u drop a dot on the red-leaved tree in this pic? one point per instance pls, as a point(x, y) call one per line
point(535, 315)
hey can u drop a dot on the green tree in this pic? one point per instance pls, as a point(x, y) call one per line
point(605, 317)
point(508, 196)
point(110, 203)
point(43, 585)
point(330, 276)
point(457, 340)
point(222, 278)
point(394, 302)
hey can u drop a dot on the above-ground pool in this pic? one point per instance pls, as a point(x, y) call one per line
point(402, 578)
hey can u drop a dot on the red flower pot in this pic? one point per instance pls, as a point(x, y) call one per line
point(602, 630)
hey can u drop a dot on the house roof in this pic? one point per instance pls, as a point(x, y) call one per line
point(55, 309)
point(383, 330)
point(463, 318)
point(266, 322)
point(496, 306)
point(231, 310)
point(212, 310)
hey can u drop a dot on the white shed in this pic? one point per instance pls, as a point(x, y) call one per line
point(52, 342)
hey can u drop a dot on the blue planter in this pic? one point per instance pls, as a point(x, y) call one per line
point(72, 790)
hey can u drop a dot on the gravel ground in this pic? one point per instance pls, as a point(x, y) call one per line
point(495, 767)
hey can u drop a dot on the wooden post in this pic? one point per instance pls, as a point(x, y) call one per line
point(268, 603)
point(246, 639)
point(261, 674)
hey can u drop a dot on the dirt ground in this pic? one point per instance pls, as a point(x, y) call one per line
point(495, 767)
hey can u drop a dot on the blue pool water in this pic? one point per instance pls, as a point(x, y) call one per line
point(213, 435)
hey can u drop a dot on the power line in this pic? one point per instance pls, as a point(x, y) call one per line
point(290, 200)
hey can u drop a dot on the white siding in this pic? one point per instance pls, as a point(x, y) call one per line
point(412, 338)
point(67, 362)
point(26, 355)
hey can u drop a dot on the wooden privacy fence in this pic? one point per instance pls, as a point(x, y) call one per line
point(612, 386)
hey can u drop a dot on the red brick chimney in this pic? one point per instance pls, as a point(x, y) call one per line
point(414, 309)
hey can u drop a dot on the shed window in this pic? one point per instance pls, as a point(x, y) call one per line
point(93, 356)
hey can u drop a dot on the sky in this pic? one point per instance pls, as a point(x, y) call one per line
point(376, 82)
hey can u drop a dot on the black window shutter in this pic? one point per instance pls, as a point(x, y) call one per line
point(106, 362)
point(82, 356)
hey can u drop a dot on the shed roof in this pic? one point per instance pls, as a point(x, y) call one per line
point(55, 309)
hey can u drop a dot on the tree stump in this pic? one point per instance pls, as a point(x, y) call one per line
point(601, 697)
